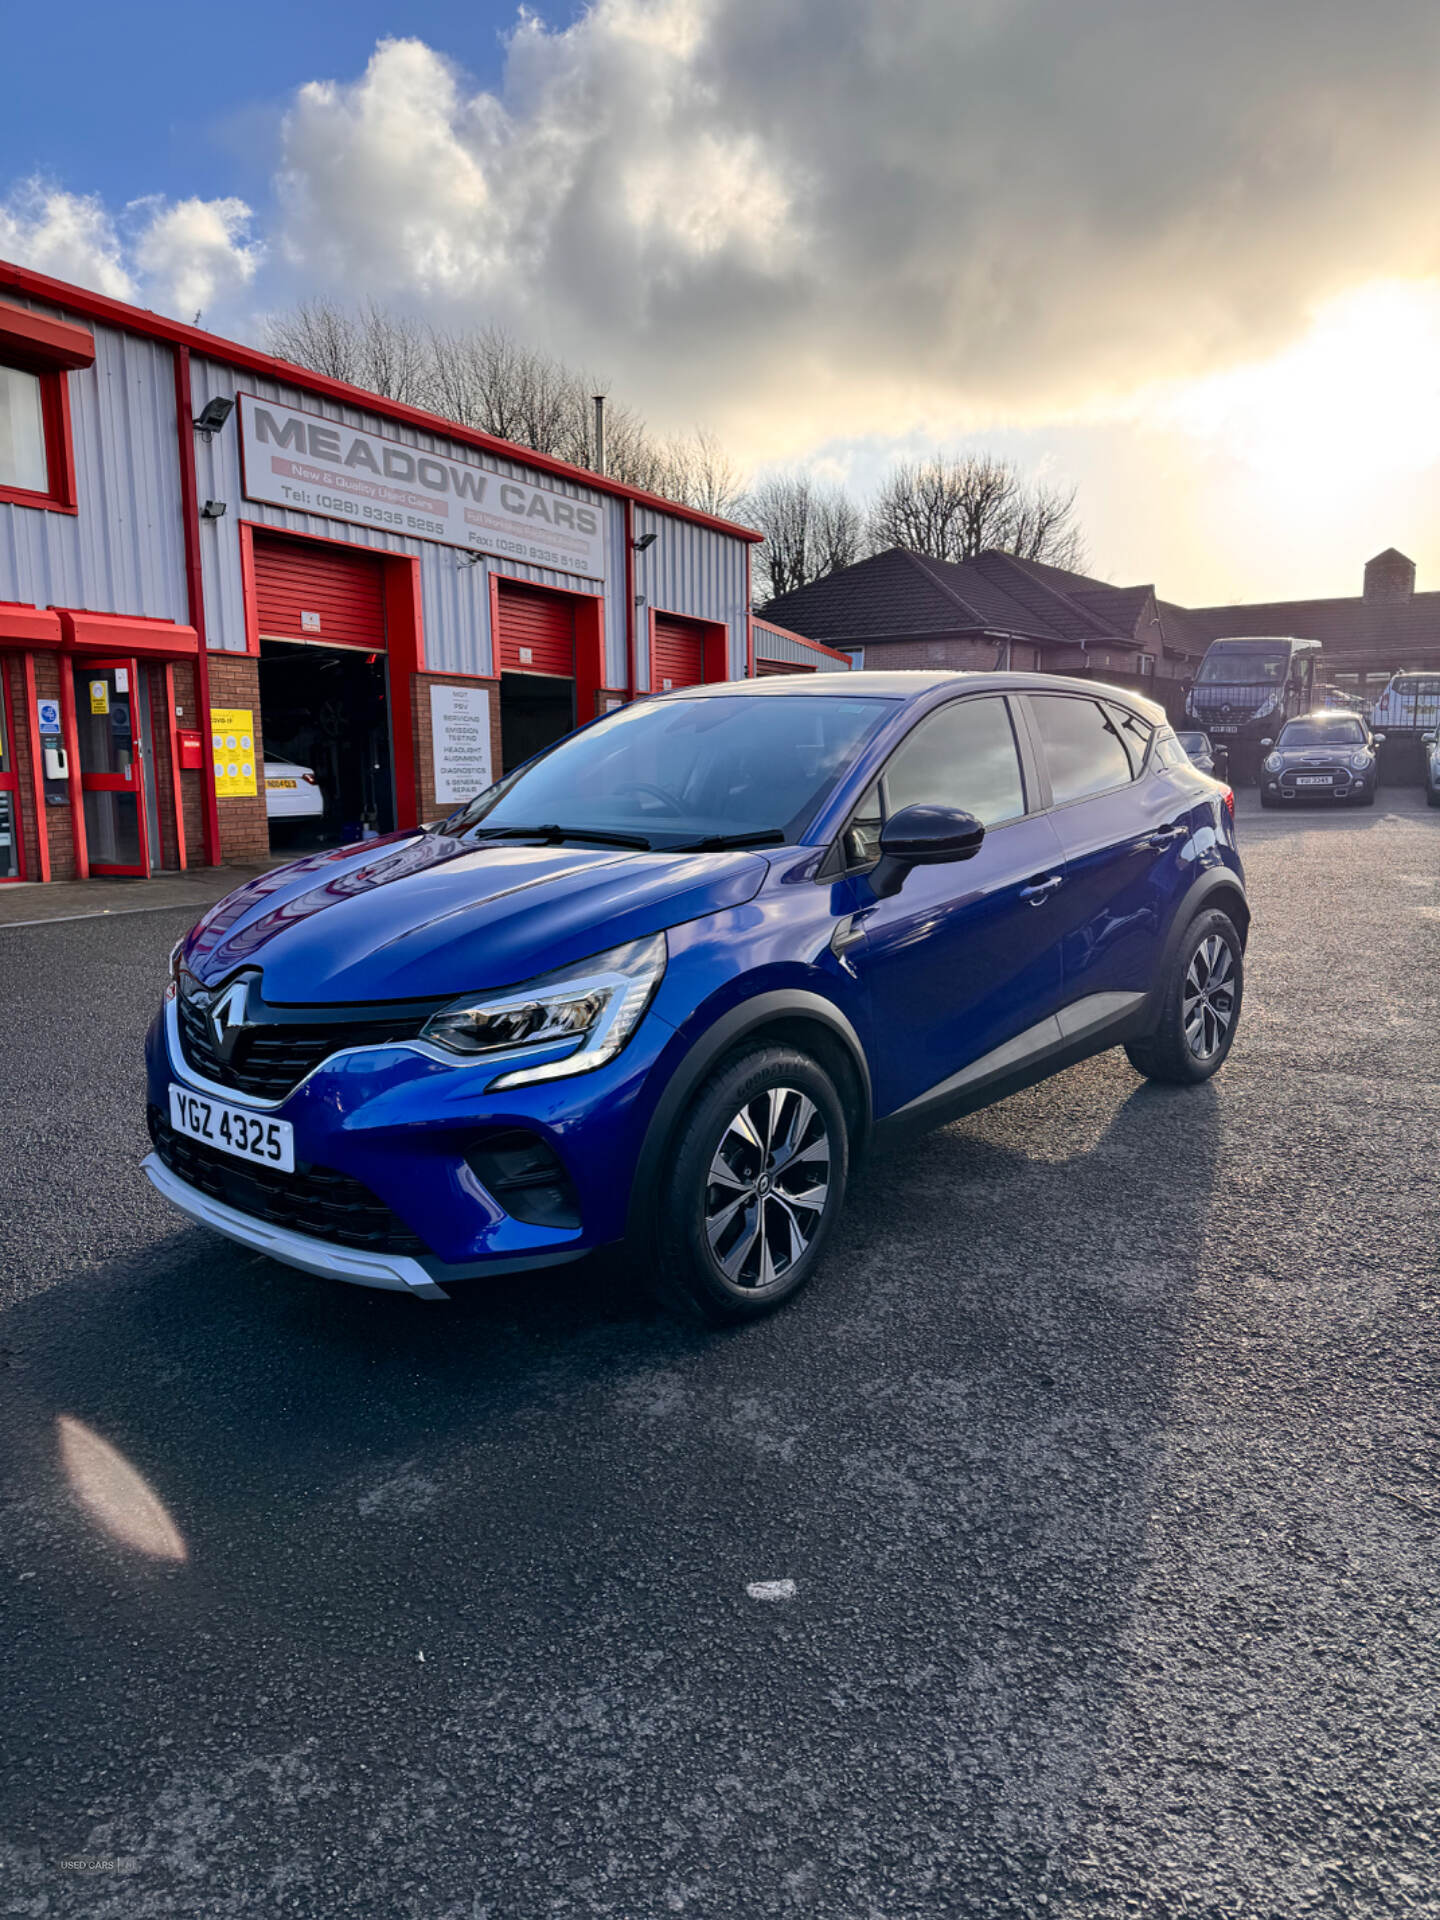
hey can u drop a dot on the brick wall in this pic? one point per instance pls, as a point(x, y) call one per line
point(58, 820)
point(187, 714)
point(22, 804)
point(244, 830)
point(430, 807)
point(940, 655)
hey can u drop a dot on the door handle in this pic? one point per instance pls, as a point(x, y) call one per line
point(1039, 891)
point(1166, 836)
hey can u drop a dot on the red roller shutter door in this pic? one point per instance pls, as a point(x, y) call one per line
point(537, 631)
point(677, 655)
point(307, 590)
point(762, 667)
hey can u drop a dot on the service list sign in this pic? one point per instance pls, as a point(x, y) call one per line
point(460, 742)
point(314, 465)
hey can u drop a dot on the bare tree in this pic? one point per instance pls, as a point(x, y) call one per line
point(383, 352)
point(955, 508)
point(486, 379)
point(810, 530)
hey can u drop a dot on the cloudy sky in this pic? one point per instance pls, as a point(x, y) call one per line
point(1184, 255)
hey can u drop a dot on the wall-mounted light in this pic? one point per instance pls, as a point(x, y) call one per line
point(213, 415)
point(646, 541)
point(471, 559)
point(213, 510)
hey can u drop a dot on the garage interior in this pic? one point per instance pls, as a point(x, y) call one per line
point(537, 669)
point(323, 694)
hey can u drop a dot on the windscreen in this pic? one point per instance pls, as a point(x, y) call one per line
point(1246, 666)
point(1193, 742)
point(676, 771)
point(1322, 733)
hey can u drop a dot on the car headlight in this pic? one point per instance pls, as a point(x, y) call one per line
point(1273, 763)
point(584, 1013)
point(1360, 760)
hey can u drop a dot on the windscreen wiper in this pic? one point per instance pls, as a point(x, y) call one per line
point(553, 836)
point(719, 842)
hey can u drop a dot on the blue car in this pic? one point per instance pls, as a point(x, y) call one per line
point(661, 984)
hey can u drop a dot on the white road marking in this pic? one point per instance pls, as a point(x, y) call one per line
point(771, 1589)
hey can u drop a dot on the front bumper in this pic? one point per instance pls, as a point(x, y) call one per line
point(394, 1272)
point(394, 1126)
point(1345, 785)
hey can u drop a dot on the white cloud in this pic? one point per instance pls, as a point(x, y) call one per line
point(69, 235)
point(179, 259)
point(193, 254)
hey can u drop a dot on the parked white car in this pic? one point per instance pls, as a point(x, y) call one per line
point(292, 792)
point(1410, 702)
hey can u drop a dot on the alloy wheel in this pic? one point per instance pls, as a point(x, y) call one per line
point(767, 1186)
point(1208, 1003)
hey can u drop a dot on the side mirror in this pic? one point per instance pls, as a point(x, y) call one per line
point(1267, 743)
point(923, 837)
point(1378, 737)
point(1426, 739)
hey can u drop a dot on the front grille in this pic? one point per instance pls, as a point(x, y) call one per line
point(313, 1200)
point(272, 1056)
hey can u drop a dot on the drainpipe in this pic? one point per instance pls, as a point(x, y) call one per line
point(629, 600)
point(599, 399)
point(195, 599)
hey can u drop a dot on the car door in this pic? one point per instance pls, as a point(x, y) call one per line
point(1124, 827)
point(965, 956)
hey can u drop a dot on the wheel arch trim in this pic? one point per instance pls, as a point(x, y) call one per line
point(765, 1012)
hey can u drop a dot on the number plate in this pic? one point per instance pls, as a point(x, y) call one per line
point(1314, 779)
point(1222, 729)
point(248, 1136)
point(279, 783)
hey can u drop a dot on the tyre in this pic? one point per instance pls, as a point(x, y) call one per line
point(1199, 1005)
point(754, 1184)
point(1268, 799)
point(1432, 798)
point(1366, 800)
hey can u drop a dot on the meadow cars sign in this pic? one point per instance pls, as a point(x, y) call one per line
point(314, 465)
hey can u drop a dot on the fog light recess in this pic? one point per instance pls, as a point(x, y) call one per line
point(526, 1178)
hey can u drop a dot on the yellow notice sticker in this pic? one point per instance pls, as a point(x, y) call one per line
point(99, 696)
point(232, 740)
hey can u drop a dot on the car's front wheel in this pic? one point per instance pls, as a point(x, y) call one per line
point(754, 1185)
point(1199, 1005)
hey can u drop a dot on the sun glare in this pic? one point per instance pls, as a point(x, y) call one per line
point(1357, 397)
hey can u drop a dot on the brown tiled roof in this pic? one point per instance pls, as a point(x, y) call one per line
point(899, 593)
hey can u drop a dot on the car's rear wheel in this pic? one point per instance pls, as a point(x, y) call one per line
point(755, 1183)
point(1199, 1005)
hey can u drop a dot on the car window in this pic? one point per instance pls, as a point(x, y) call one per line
point(963, 756)
point(1083, 748)
point(1135, 733)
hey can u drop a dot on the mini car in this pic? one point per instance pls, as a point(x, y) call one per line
point(1197, 746)
point(1326, 755)
point(663, 983)
point(292, 792)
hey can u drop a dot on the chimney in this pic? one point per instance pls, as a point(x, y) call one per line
point(599, 399)
point(1389, 577)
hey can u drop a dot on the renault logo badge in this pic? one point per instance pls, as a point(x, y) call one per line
point(227, 1018)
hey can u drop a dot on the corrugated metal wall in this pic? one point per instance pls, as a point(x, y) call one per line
point(771, 645)
point(454, 590)
point(691, 570)
point(124, 551)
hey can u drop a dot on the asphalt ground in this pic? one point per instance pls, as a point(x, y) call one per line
point(1102, 1456)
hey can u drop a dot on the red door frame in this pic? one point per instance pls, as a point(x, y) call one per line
point(589, 639)
point(10, 781)
point(404, 647)
point(715, 649)
point(134, 783)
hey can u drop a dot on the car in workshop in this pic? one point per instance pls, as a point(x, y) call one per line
point(1326, 756)
point(661, 984)
point(292, 792)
